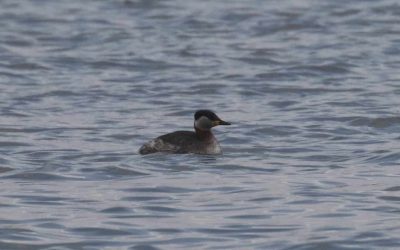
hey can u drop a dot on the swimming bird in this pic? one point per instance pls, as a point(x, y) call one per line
point(201, 141)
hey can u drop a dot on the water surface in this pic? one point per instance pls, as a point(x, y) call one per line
point(311, 161)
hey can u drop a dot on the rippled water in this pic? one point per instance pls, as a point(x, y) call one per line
point(311, 162)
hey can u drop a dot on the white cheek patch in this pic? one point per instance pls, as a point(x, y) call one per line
point(203, 123)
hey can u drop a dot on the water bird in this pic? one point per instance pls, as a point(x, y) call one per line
point(201, 141)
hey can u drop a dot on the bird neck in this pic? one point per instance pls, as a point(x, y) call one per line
point(203, 134)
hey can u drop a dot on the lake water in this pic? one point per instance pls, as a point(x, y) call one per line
point(311, 161)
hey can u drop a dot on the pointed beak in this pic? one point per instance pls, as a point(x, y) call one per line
point(220, 122)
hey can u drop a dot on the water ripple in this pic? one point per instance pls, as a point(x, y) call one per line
point(310, 161)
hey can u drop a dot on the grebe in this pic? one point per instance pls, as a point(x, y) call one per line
point(201, 141)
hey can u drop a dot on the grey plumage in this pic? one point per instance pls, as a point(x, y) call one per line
point(181, 142)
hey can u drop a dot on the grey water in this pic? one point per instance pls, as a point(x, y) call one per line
point(311, 161)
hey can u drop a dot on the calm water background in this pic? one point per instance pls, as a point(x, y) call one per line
point(311, 162)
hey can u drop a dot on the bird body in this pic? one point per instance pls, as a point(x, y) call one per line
point(201, 141)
